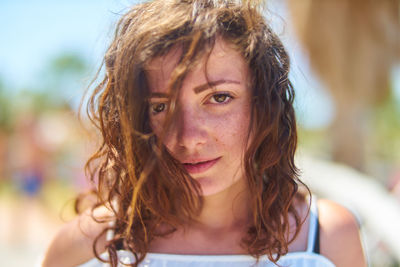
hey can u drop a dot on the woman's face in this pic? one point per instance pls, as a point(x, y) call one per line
point(210, 131)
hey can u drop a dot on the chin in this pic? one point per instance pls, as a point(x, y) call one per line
point(208, 188)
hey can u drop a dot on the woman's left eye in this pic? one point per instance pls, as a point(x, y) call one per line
point(220, 98)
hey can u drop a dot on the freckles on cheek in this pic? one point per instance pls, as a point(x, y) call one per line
point(233, 131)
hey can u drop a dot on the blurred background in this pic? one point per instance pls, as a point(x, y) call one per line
point(345, 70)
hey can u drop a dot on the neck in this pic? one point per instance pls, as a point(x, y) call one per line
point(218, 229)
point(228, 210)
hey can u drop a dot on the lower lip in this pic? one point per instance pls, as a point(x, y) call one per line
point(200, 167)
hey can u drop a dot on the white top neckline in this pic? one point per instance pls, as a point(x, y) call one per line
point(311, 239)
point(299, 258)
point(309, 258)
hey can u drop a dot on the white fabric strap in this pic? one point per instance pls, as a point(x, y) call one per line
point(313, 224)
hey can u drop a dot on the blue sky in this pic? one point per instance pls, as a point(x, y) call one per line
point(34, 32)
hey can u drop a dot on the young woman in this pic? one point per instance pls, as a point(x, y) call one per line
point(197, 162)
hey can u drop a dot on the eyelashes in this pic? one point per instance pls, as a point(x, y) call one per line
point(156, 108)
point(219, 98)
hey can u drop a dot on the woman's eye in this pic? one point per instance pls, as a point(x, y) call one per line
point(221, 98)
point(157, 107)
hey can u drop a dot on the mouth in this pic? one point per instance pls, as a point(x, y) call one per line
point(200, 166)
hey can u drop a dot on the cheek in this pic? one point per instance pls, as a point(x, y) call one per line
point(156, 126)
point(168, 134)
point(233, 130)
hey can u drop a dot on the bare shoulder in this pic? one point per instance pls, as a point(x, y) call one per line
point(339, 235)
point(73, 244)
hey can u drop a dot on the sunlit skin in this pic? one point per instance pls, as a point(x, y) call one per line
point(210, 133)
point(209, 137)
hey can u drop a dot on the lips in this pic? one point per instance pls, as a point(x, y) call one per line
point(199, 166)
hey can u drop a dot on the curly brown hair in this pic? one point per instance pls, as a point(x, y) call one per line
point(136, 176)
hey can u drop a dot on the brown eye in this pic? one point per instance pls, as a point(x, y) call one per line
point(221, 98)
point(157, 107)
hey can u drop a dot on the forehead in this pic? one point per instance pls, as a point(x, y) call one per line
point(224, 62)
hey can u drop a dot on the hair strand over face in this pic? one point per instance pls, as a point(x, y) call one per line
point(150, 192)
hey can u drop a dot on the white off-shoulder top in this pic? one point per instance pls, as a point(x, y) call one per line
point(308, 258)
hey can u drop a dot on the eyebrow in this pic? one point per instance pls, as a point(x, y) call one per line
point(198, 89)
point(201, 88)
point(158, 95)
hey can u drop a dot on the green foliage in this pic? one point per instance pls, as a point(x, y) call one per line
point(5, 110)
point(55, 86)
point(70, 63)
point(386, 129)
point(63, 78)
point(383, 134)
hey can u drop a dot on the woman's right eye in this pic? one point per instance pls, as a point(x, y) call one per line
point(156, 108)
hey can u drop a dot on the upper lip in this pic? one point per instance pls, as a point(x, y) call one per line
point(198, 160)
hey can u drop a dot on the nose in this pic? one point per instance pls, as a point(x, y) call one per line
point(190, 128)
